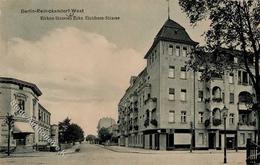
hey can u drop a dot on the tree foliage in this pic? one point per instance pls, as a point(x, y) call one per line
point(70, 132)
point(91, 138)
point(104, 134)
point(234, 25)
point(74, 133)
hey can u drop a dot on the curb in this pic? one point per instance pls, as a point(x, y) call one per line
point(165, 152)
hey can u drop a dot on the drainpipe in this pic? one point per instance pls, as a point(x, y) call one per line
point(193, 125)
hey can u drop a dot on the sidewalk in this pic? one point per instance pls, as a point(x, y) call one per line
point(31, 154)
point(42, 154)
point(148, 151)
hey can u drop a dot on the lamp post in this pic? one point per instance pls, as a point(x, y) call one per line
point(224, 113)
point(9, 121)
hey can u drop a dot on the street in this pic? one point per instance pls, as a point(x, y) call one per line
point(98, 155)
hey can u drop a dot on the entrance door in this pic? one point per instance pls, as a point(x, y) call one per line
point(157, 141)
point(230, 142)
point(151, 141)
point(212, 140)
point(143, 136)
point(170, 141)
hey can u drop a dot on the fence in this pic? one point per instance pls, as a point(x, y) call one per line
point(252, 153)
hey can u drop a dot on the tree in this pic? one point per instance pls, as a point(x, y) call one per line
point(235, 25)
point(63, 126)
point(70, 132)
point(74, 133)
point(91, 138)
point(104, 134)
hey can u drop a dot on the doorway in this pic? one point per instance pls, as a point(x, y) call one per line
point(151, 141)
point(212, 140)
point(230, 143)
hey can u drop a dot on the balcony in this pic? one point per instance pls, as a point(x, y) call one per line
point(247, 125)
point(215, 124)
point(218, 100)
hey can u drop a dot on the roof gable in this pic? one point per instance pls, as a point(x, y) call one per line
point(173, 32)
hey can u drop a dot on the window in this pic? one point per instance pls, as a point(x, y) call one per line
point(231, 98)
point(235, 60)
point(39, 115)
point(201, 138)
point(171, 94)
point(184, 52)
point(242, 138)
point(231, 78)
point(183, 73)
point(199, 74)
point(239, 77)
point(183, 117)
point(201, 117)
point(21, 103)
point(43, 117)
point(178, 51)
point(183, 94)
point(245, 78)
point(170, 50)
point(231, 118)
point(200, 96)
point(171, 72)
point(171, 117)
point(34, 107)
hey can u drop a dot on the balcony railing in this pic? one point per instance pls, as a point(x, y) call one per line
point(218, 100)
point(248, 123)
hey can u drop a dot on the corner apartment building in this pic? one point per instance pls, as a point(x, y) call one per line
point(168, 107)
point(23, 136)
point(106, 122)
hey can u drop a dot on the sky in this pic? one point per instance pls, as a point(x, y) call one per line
point(82, 67)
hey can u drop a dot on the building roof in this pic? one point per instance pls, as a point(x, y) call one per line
point(173, 32)
point(32, 86)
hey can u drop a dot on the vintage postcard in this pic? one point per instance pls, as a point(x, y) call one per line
point(129, 82)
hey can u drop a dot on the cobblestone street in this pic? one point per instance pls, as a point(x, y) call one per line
point(99, 155)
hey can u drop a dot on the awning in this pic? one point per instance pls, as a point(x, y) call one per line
point(22, 127)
